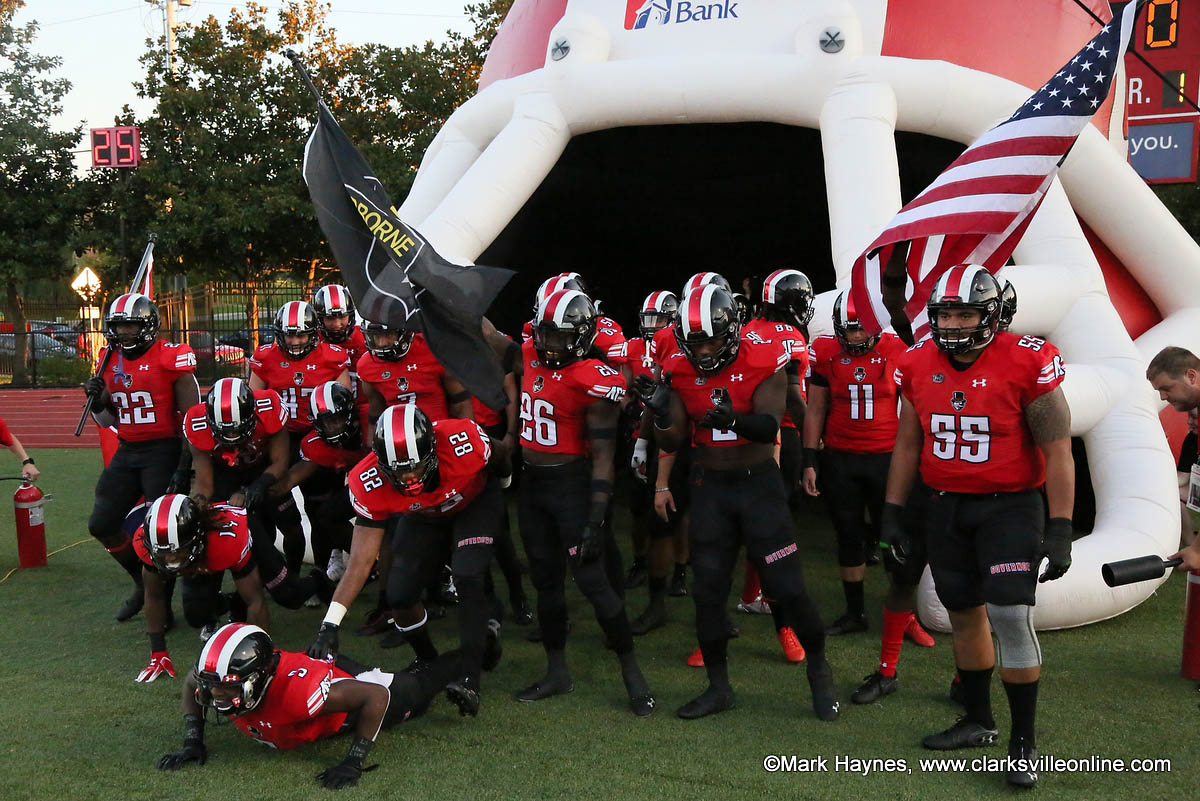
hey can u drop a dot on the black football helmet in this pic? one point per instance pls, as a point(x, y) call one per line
point(334, 414)
point(845, 319)
point(405, 443)
point(382, 345)
point(1008, 305)
point(558, 283)
point(709, 314)
point(704, 279)
point(334, 301)
point(229, 407)
point(135, 308)
point(788, 295)
point(172, 535)
point(296, 318)
point(235, 668)
point(564, 328)
point(658, 311)
point(965, 286)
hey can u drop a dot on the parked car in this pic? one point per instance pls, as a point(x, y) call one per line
point(40, 346)
point(63, 332)
point(241, 337)
point(206, 349)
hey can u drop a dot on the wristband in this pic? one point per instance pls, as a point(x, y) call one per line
point(28, 461)
point(662, 489)
point(810, 458)
point(358, 751)
point(458, 397)
point(193, 729)
point(602, 485)
point(335, 614)
point(158, 641)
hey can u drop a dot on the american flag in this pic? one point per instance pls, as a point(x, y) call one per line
point(977, 210)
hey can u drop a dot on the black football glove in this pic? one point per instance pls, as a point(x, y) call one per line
point(325, 644)
point(1056, 546)
point(94, 386)
point(180, 483)
point(893, 539)
point(591, 544)
point(256, 493)
point(656, 395)
point(343, 774)
point(721, 416)
point(192, 752)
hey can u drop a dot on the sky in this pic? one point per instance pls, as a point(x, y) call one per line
point(100, 41)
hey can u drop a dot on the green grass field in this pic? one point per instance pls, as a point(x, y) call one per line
point(76, 726)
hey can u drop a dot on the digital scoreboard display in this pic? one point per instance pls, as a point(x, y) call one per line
point(116, 147)
point(1162, 124)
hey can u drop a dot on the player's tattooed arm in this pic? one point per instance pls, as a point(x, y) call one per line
point(1049, 420)
point(1049, 417)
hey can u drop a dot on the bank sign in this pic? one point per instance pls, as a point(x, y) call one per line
point(1164, 153)
point(642, 14)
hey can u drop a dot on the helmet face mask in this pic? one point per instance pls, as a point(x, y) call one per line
point(229, 409)
point(964, 287)
point(235, 668)
point(1008, 305)
point(172, 534)
point(334, 414)
point(386, 343)
point(846, 323)
point(296, 320)
point(564, 328)
point(406, 449)
point(788, 295)
point(132, 324)
point(709, 329)
point(333, 304)
point(657, 312)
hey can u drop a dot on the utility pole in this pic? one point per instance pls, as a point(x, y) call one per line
point(169, 25)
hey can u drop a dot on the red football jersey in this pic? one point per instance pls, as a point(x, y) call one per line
point(755, 362)
point(863, 408)
point(355, 346)
point(554, 403)
point(290, 714)
point(664, 344)
point(268, 408)
point(143, 390)
point(295, 380)
point(976, 438)
point(463, 452)
point(610, 339)
point(764, 332)
point(416, 378)
point(318, 451)
point(639, 357)
point(5, 435)
point(227, 547)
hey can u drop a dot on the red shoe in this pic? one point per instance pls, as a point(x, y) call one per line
point(917, 635)
point(696, 659)
point(793, 651)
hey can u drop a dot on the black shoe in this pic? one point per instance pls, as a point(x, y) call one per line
point(133, 604)
point(377, 622)
point(492, 650)
point(824, 693)
point(732, 631)
point(522, 613)
point(709, 702)
point(678, 586)
point(654, 617)
point(546, 687)
point(393, 639)
point(636, 576)
point(875, 687)
point(847, 624)
point(872, 557)
point(1022, 758)
point(957, 693)
point(462, 694)
point(418, 665)
point(963, 734)
point(642, 705)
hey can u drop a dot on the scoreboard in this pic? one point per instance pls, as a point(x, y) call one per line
point(116, 147)
point(1162, 124)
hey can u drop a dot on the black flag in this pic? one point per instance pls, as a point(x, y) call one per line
point(394, 274)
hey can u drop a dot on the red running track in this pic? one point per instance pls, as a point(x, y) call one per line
point(46, 418)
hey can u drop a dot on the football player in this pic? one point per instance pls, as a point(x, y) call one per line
point(984, 420)
point(733, 391)
point(286, 699)
point(569, 406)
point(435, 475)
point(399, 367)
point(610, 338)
point(852, 406)
point(334, 308)
point(145, 392)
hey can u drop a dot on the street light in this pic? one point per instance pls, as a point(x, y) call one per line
point(87, 285)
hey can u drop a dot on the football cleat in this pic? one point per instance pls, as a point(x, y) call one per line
point(963, 734)
point(1022, 760)
point(847, 624)
point(759, 606)
point(463, 694)
point(654, 617)
point(492, 650)
point(917, 635)
point(678, 586)
point(336, 568)
point(824, 693)
point(132, 605)
point(546, 688)
point(709, 702)
point(642, 705)
point(696, 659)
point(208, 630)
point(793, 651)
point(873, 688)
point(636, 576)
point(521, 612)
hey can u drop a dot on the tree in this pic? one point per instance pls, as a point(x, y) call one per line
point(38, 199)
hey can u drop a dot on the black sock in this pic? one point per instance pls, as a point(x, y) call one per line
point(556, 663)
point(716, 663)
point(977, 689)
point(778, 616)
point(1022, 702)
point(631, 675)
point(854, 598)
point(617, 630)
point(421, 642)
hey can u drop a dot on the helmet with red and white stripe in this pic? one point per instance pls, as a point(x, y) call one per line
point(334, 301)
point(704, 279)
point(963, 287)
point(788, 295)
point(564, 328)
point(558, 283)
point(1008, 300)
point(709, 328)
point(406, 449)
point(845, 320)
point(235, 668)
point(296, 318)
point(171, 533)
point(657, 312)
point(334, 414)
point(136, 309)
point(229, 407)
point(385, 342)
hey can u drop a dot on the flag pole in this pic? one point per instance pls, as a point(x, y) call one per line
point(298, 65)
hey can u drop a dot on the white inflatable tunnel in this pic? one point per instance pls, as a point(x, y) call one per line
point(639, 142)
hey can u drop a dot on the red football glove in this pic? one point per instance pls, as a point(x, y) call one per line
point(160, 662)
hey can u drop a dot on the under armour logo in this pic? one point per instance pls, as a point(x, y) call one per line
point(143, 367)
point(310, 367)
point(736, 377)
point(412, 367)
point(876, 360)
point(556, 376)
point(979, 382)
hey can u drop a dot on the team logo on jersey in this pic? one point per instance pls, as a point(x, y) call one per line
point(938, 378)
point(860, 374)
point(124, 379)
point(715, 397)
point(538, 383)
point(402, 384)
point(298, 379)
point(701, 380)
point(285, 365)
point(414, 507)
point(535, 363)
point(959, 401)
point(386, 375)
point(846, 360)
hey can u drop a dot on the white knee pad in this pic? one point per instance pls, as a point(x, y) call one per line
point(1015, 637)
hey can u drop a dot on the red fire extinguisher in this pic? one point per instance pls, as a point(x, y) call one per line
point(31, 525)
point(1191, 629)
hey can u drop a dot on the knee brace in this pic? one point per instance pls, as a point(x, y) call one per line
point(1015, 637)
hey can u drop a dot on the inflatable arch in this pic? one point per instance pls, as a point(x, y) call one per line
point(639, 142)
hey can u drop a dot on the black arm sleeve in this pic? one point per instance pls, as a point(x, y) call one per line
point(757, 427)
point(818, 379)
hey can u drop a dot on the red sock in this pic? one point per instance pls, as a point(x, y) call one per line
point(751, 588)
point(894, 624)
